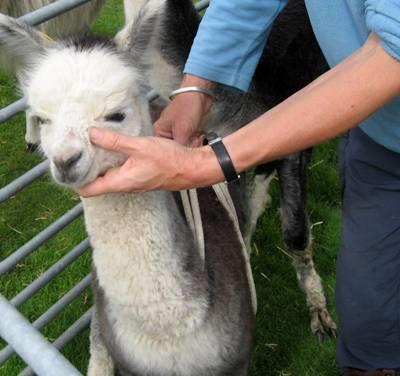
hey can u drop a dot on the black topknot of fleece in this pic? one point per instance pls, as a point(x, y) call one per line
point(90, 42)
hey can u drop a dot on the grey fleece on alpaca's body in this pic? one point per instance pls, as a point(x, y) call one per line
point(159, 310)
point(216, 294)
point(291, 59)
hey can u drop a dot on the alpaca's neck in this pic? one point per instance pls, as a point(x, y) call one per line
point(141, 247)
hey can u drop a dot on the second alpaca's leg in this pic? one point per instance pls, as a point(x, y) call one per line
point(100, 363)
point(297, 237)
point(310, 282)
point(259, 200)
point(32, 136)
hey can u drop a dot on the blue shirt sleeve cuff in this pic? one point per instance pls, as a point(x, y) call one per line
point(383, 18)
point(238, 81)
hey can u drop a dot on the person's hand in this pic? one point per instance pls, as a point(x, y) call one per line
point(183, 119)
point(153, 163)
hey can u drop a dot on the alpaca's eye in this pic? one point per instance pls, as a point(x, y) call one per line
point(116, 117)
point(41, 121)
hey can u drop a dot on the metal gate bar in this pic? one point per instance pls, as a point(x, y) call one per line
point(51, 313)
point(24, 180)
point(12, 109)
point(50, 11)
point(50, 274)
point(66, 337)
point(23, 337)
point(12, 260)
point(31, 345)
point(35, 18)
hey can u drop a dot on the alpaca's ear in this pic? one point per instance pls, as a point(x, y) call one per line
point(137, 35)
point(20, 45)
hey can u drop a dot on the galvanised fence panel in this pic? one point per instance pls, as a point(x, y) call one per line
point(21, 336)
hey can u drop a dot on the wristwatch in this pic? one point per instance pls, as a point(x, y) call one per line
point(223, 157)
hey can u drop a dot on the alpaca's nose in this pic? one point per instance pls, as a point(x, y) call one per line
point(64, 164)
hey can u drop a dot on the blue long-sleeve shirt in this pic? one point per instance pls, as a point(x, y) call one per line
point(233, 33)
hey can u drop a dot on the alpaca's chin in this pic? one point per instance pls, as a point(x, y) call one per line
point(84, 174)
point(74, 185)
point(73, 180)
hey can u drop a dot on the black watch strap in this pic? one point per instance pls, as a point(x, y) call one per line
point(223, 157)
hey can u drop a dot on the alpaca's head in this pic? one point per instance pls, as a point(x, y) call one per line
point(71, 86)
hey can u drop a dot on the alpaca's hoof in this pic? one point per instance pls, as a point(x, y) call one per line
point(31, 148)
point(322, 324)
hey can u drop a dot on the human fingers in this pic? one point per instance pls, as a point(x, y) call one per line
point(163, 129)
point(183, 133)
point(197, 140)
point(180, 131)
point(182, 118)
point(114, 141)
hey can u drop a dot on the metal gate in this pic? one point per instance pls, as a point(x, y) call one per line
point(21, 336)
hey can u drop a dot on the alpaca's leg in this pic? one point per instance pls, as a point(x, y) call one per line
point(237, 372)
point(297, 237)
point(32, 136)
point(240, 368)
point(243, 371)
point(259, 200)
point(100, 363)
point(310, 282)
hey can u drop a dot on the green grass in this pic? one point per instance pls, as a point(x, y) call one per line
point(284, 344)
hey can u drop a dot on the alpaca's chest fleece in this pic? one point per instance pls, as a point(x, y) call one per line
point(179, 351)
point(138, 252)
point(139, 247)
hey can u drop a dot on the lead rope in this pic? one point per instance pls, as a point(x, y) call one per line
point(192, 212)
point(191, 208)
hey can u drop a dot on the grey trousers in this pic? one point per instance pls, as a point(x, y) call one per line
point(368, 266)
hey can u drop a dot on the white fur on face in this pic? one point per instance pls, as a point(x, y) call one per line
point(71, 90)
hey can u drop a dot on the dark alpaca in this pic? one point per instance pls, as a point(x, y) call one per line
point(290, 61)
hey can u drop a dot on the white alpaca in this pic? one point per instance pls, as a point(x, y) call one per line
point(159, 309)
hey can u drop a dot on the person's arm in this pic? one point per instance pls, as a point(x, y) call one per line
point(338, 100)
point(333, 103)
point(227, 47)
point(230, 40)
